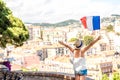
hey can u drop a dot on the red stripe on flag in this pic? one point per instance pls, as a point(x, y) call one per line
point(83, 20)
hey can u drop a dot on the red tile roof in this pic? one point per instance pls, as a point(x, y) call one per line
point(30, 61)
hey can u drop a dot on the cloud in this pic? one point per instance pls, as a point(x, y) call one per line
point(47, 1)
point(59, 10)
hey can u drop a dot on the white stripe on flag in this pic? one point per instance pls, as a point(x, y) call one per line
point(89, 22)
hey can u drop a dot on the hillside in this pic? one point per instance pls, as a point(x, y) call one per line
point(63, 23)
point(72, 21)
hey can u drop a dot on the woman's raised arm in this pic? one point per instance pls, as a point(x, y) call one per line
point(66, 45)
point(91, 44)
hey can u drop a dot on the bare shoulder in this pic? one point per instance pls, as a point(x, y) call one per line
point(83, 50)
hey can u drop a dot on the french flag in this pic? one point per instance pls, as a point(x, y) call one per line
point(91, 22)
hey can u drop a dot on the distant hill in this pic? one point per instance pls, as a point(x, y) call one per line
point(117, 15)
point(111, 19)
point(63, 23)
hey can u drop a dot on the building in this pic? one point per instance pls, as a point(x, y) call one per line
point(106, 67)
point(31, 61)
point(34, 32)
point(53, 35)
point(52, 50)
point(98, 65)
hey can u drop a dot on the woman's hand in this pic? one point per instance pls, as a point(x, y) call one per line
point(61, 42)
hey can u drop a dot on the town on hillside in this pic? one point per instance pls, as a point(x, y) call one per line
point(42, 52)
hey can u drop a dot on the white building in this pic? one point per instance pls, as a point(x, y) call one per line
point(34, 32)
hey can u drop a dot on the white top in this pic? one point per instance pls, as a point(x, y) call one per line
point(78, 63)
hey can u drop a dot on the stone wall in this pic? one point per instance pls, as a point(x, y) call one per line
point(35, 76)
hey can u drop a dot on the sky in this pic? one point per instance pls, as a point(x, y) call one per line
point(53, 11)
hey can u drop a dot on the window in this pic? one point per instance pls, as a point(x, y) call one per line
point(59, 51)
point(89, 52)
point(103, 47)
point(118, 66)
point(111, 44)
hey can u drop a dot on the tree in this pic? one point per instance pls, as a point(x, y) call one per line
point(87, 39)
point(118, 33)
point(72, 39)
point(12, 29)
point(116, 76)
point(109, 28)
point(105, 77)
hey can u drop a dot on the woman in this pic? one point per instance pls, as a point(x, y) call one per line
point(78, 60)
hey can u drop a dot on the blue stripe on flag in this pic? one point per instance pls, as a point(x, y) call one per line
point(96, 22)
